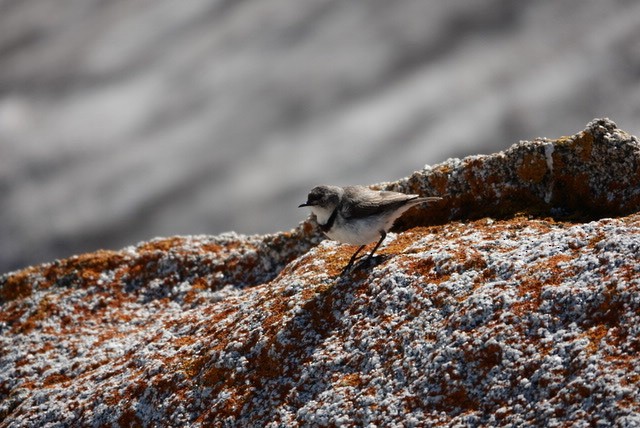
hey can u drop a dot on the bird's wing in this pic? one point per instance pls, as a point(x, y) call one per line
point(367, 202)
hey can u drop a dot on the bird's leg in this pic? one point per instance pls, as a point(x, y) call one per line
point(353, 258)
point(383, 235)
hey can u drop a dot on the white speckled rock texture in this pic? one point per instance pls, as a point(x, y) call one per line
point(520, 309)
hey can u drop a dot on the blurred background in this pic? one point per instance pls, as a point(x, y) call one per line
point(125, 120)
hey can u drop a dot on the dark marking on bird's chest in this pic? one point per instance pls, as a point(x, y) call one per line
point(329, 224)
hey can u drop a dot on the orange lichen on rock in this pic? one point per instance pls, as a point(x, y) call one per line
point(16, 286)
point(588, 175)
point(516, 320)
point(441, 317)
point(533, 168)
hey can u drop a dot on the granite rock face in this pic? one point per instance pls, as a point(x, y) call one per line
point(526, 312)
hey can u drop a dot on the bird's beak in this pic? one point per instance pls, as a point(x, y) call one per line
point(306, 204)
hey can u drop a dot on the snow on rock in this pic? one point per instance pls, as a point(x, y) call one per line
point(500, 321)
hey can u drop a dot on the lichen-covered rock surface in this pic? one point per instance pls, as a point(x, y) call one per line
point(501, 320)
point(592, 174)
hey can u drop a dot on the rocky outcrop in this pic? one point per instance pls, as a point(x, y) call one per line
point(525, 312)
point(592, 174)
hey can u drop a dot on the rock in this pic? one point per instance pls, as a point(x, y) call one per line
point(592, 174)
point(526, 313)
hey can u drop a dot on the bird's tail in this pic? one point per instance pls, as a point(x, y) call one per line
point(422, 200)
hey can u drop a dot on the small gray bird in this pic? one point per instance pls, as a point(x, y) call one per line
point(357, 215)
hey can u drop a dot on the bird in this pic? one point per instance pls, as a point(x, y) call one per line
point(358, 215)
